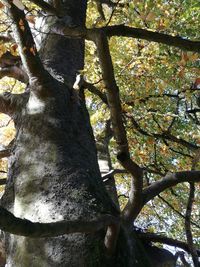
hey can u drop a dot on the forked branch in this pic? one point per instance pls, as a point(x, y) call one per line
point(126, 31)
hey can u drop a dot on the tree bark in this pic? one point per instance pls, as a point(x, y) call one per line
point(53, 171)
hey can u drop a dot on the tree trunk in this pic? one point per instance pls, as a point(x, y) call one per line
point(53, 169)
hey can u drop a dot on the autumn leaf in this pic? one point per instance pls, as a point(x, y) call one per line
point(151, 16)
point(21, 25)
point(30, 19)
point(33, 50)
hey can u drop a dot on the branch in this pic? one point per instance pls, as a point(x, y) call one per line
point(163, 136)
point(3, 181)
point(14, 72)
point(6, 38)
point(110, 174)
point(188, 214)
point(11, 66)
point(5, 153)
point(27, 49)
point(93, 89)
point(176, 211)
point(151, 237)
point(8, 103)
point(119, 131)
point(49, 9)
point(168, 181)
point(10, 223)
point(126, 31)
point(180, 42)
point(100, 9)
point(188, 226)
point(182, 258)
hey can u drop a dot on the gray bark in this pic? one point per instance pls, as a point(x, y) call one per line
point(53, 170)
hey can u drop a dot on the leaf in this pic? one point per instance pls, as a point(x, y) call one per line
point(30, 19)
point(181, 73)
point(151, 16)
point(21, 25)
point(33, 50)
point(13, 49)
point(18, 4)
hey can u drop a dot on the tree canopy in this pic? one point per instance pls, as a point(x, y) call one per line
point(141, 82)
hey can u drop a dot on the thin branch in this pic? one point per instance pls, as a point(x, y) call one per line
point(164, 135)
point(5, 153)
point(6, 38)
point(178, 212)
point(93, 89)
point(182, 258)
point(3, 181)
point(151, 237)
point(112, 14)
point(10, 223)
point(176, 151)
point(49, 9)
point(100, 9)
point(110, 174)
point(168, 181)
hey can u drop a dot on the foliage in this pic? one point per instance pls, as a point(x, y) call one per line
point(157, 98)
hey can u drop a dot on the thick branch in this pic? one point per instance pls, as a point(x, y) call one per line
point(168, 181)
point(150, 237)
point(188, 230)
point(26, 45)
point(118, 128)
point(180, 42)
point(49, 9)
point(10, 223)
point(122, 30)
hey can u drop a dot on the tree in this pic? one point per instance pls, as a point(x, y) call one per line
point(57, 210)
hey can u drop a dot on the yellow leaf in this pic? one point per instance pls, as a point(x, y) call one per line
point(21, 25)
point(151, 16)
point(33, 50)
point(181, 73)
point(193, 57)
